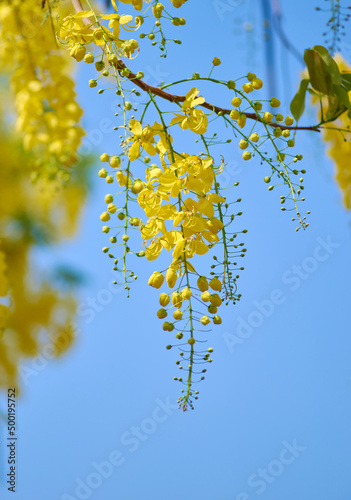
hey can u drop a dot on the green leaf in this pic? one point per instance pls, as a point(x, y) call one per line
point(331, 65)
point(297, 105)
point(342, 95)
point(321, 79)
point(346, 81)
point(334, 107)
point(312, 92)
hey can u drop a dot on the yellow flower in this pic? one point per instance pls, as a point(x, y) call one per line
point(142, 138)
point(153, 250)
point(194, 119)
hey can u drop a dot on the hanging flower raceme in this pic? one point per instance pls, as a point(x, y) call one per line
point(175, 202)
point(48, 116)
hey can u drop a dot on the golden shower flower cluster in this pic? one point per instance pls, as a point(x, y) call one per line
point(186, 216)
point(179, 207)
point(176, 202)
point(48, 115)
point(35, 315)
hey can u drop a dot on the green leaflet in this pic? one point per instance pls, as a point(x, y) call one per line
point(297, 105)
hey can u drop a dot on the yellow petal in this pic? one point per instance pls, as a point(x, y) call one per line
point(134, 151)
point(83, 13)
point(135, 127)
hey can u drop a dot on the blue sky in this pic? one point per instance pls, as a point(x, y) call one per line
point(272, 420)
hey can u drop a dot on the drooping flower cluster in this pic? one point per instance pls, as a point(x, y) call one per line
point(48, 115)
point(36, 314)
point(185, 212)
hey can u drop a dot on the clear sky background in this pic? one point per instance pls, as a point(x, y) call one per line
point(273, 417)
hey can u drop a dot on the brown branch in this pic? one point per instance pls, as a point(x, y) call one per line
point(216, 109)
point(180, 98)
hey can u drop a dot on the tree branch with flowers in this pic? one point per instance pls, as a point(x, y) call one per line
point(177, 205)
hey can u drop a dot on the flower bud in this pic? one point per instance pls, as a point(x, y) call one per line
point(275, 103)
point(243, 144)
point(254, 137)
point(289, 120)
point(177, 299)
point(216, 61)
point(186, 293)
point(162, 313)
point(205, 320)
point(215, 284)
point(99, 65)
point(78, 51)
point(248, 87)
point(202, 284)
point(236, 101)
point(257, 83)
point(217, 320)
point(103, 173)
point(115, 161)
point(216, 300)
point(177, 315)
point(234, 114)
point(267, 117)
point(241, 120)
point(111, 208)
point(157, 10)
point(171, 277)
point(206, 296)
point(105, 216)
point(156, 279)
point(89, 58)
point(104, 157)
point(246, 155)
point(164, 299)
